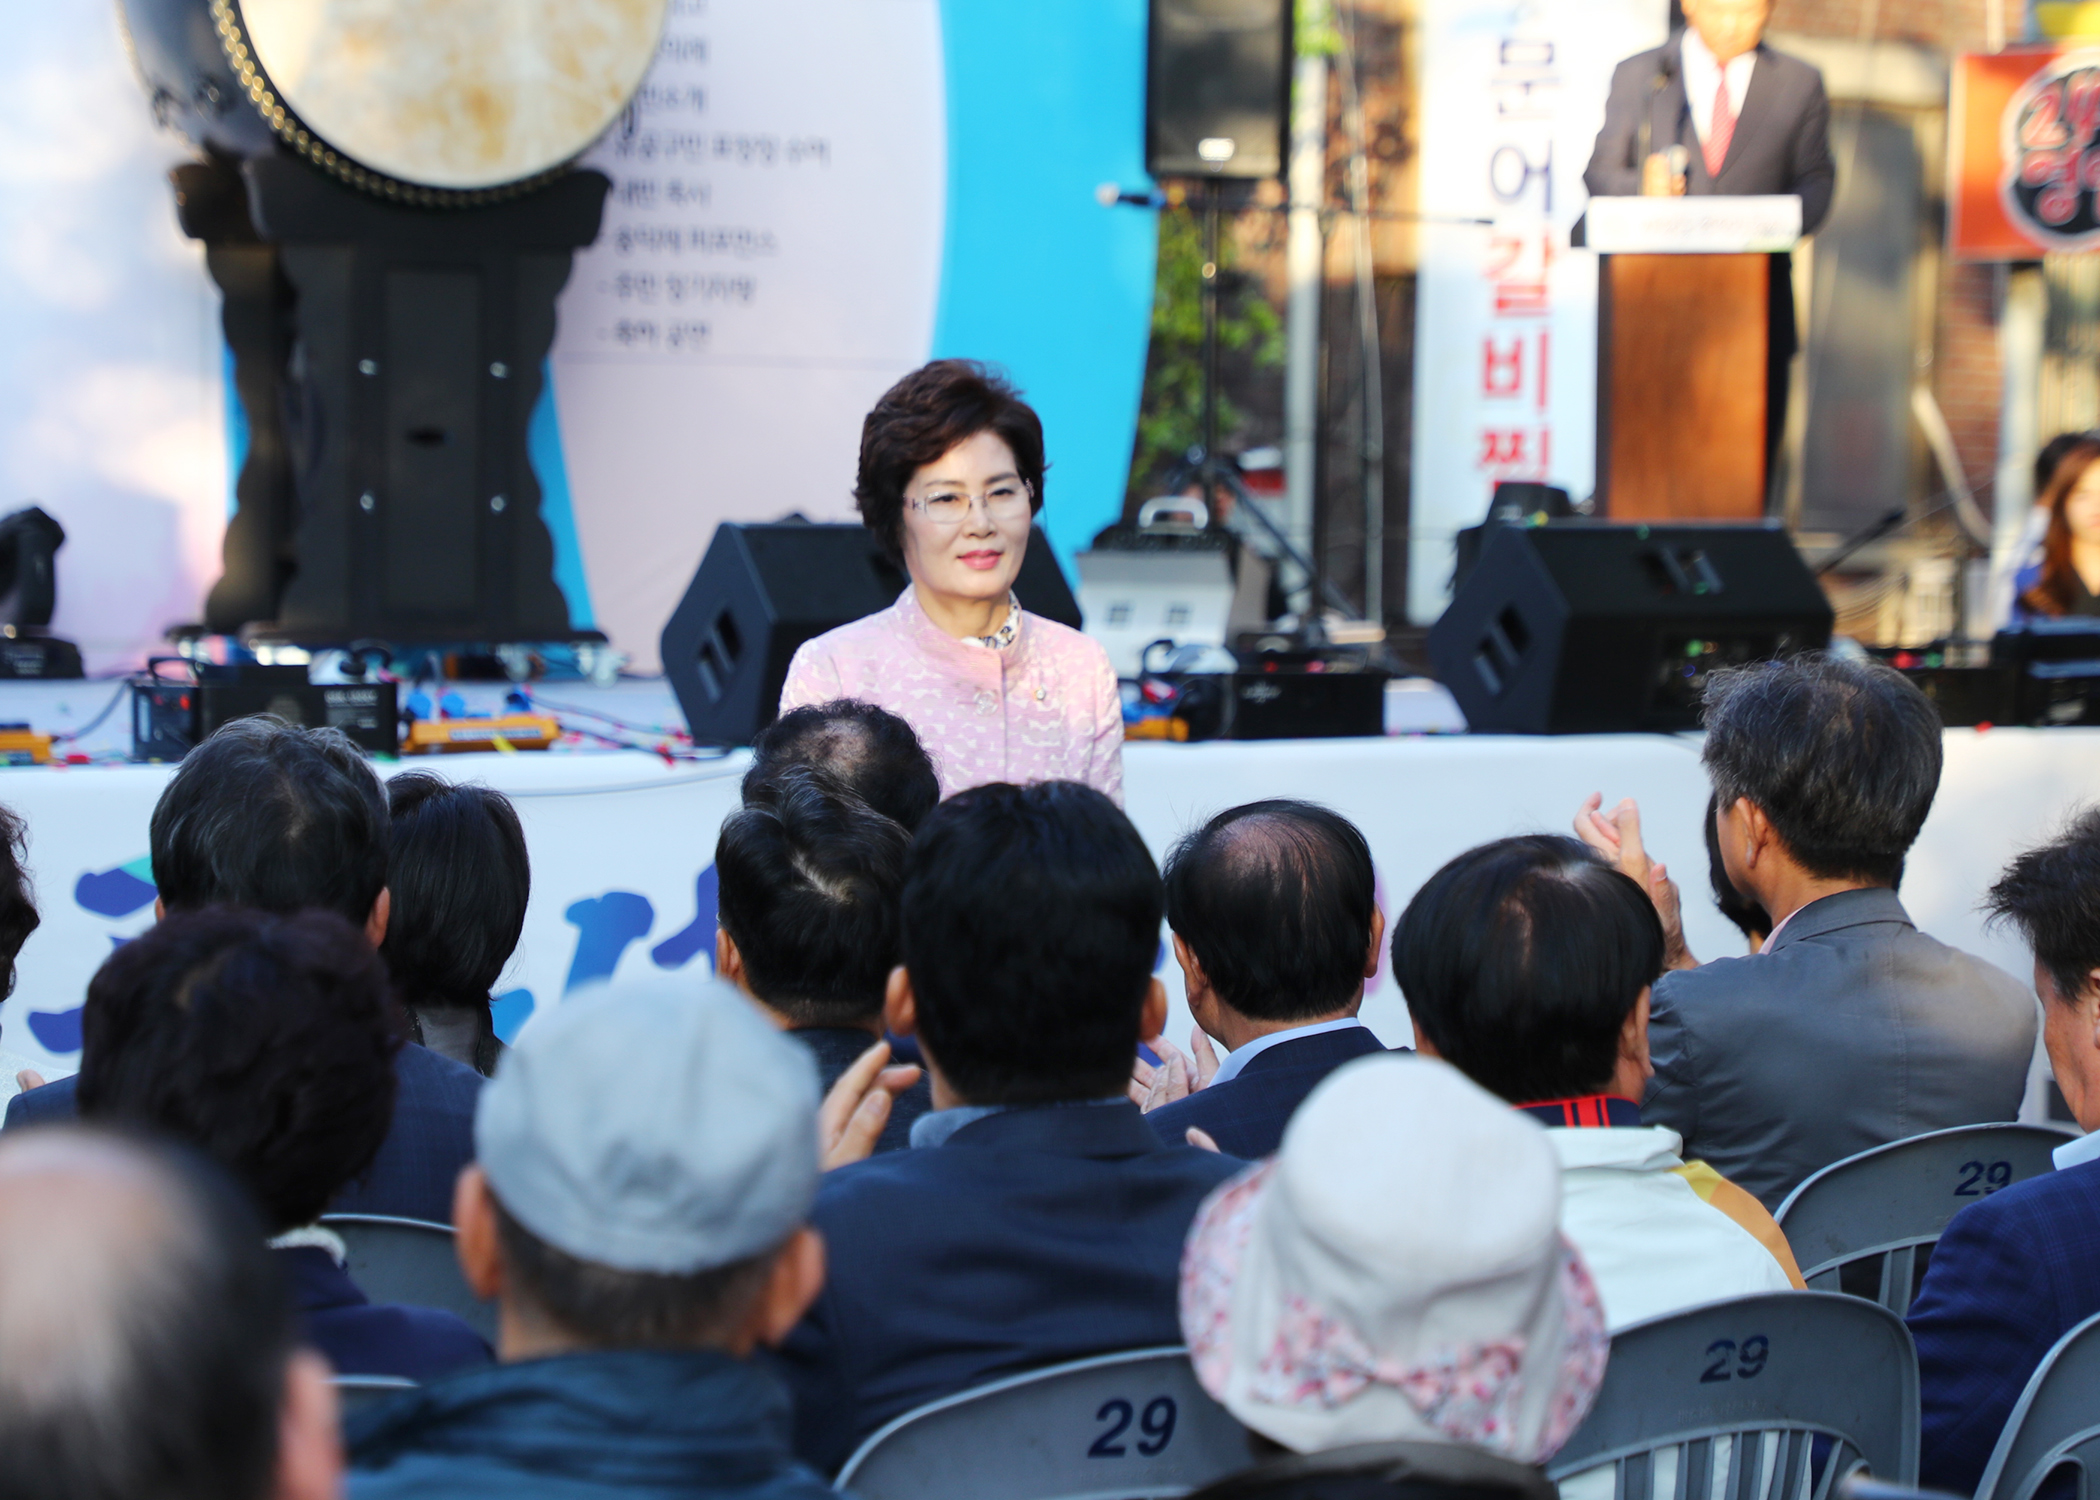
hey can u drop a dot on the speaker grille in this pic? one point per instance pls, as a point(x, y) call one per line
point(1218, 88)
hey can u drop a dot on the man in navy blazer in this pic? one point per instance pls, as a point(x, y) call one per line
point(1036, 1218)
point(267, 815)
point(2018, 1270)
point(1276, 926)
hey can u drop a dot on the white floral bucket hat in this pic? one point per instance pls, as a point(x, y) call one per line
point(1396, 1271)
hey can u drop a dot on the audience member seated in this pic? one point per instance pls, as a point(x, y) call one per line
point(18, 919)
point(639, 1210)
point(1526, 964)
point(146, 1347)
point(867, 750)
point(1396, 1273)
point(2019, 1269)
point(1745, 914)
point(459, 878)
point(807, 889)
point(1038, 1217)
point(270, 816)
point(1276, 927)
point(1849, 1028)
point(268, 1043)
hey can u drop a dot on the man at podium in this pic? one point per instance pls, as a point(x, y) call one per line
point(1715, 111)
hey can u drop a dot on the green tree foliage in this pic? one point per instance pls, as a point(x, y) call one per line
point(1170, 420)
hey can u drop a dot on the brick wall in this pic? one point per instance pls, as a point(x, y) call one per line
point(1959, 25)
point(1965, 374)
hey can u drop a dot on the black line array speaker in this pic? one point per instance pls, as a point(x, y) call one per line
point(1586, 628)
point(762, 591)
point(1218, 88)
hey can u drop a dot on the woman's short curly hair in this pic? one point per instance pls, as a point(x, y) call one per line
point(924, 415)
point(266, 1042)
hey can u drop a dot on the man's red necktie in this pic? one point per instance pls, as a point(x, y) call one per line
point(1722, 131)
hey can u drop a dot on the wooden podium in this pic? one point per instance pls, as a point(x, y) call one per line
point(1682, 327)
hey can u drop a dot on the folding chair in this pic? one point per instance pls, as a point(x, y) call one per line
point(411, 1262)
point(1133, 1426)
point(1385, 1471)
point(2057, 1421)
point(1867, 1224)
point(1774, 1397)
point(354, 1393)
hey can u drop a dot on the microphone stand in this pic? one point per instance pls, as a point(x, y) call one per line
point(1892, 521)
point(1663, 74)
point(1210, 345)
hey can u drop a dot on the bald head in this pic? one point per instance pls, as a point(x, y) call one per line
point(89, 1230)
point(1276, 901)
point(144, 1335)
point(861, 748)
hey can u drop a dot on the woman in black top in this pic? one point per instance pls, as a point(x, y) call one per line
point(460, 878)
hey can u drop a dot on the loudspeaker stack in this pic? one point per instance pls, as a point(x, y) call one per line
point(1218, 88)
point(1584, 628)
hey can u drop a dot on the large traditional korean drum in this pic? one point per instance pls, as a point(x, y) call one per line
point(435, 102)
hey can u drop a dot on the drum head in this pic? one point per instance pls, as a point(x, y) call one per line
point(440, 100)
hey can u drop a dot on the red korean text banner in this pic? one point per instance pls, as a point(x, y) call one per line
point(2024, 165)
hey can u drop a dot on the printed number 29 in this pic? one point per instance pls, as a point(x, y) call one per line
point(1157, 1425)
point(1991, 1178)
point(1749, 1359)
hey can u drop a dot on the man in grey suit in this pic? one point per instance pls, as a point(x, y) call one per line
point(1714, 110)
point(1849, 1028)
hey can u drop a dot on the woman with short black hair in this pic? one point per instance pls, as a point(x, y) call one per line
point(951, 478)
point(460, 878)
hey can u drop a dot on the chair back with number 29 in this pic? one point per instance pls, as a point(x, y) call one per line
point(1777, 1396)
point(1135, 1425)
point(1866, 1225)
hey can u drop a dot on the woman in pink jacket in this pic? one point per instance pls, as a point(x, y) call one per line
point(951, 476)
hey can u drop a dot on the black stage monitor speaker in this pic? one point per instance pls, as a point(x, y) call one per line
point(1588, 628)
point(763, 590)
point(1218, 88)
point(2055, 667)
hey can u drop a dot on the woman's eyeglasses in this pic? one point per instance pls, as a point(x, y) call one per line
point(1005, 502)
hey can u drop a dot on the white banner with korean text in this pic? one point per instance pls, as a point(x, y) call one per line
point(1506, 313)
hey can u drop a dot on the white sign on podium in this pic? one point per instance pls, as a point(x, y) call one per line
point(1694, 226)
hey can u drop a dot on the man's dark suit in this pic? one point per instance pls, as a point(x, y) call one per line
point(1246, 1114)
point(1855, 1030)
point(411, 1178)
point(1781, 142)
point(837, 1048)
point(1030, 1237)
point(2012, 1275)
